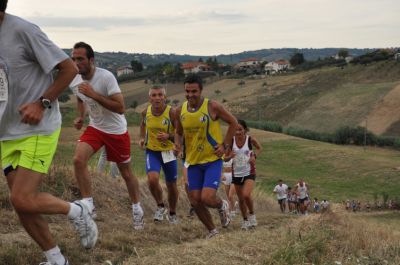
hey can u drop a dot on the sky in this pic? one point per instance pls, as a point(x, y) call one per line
point(213, 27)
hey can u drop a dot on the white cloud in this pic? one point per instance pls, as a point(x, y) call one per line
point(206, 27)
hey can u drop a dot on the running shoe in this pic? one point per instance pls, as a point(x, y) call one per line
point(159, 214)
point(224, 214)
point(252, 220)
point(212, 234)
point(245, 225)
point(232, 215)
point(85, 225)
point(94, 213)
point(191, 212)
point(236, 207)
point(48, 263)
point(138, 222)
point(173, 219)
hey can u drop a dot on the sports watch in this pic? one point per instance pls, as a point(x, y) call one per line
point(46, 103)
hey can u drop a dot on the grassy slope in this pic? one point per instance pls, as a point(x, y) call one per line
point(333, 171)
point(321, 99)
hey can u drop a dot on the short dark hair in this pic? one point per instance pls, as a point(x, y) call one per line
point(244, 125)
point(280, 180)
point(87, 47)
point(194, 79)
point(3, 5)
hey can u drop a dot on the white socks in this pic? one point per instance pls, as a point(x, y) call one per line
point(89, 202)
point(54, 256)
point(74, 211)
point(137, 208)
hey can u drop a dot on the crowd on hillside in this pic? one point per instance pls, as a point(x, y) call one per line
point(357, 205)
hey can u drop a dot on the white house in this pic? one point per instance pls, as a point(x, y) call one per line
point(124, 70)
point(248, 63)
point(277, 66)
point(194, 67)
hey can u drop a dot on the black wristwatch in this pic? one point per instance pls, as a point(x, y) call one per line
point(46, 103)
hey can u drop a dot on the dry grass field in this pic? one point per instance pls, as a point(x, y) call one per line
point(336, 237)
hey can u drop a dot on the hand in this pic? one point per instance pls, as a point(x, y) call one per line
point(162, 136)
point(141, 143)
point(78, 123)
point(31, 113)
point(178, 150)
point(252, 159)
point(219, 150)
point(223, 178)
point(87, 90)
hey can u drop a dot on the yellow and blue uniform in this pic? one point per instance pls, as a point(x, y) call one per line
point(201, 135)
point(156, 149)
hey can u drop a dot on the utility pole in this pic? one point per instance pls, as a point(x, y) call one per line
point(365, 133)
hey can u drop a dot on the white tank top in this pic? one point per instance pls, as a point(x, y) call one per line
point(302, 190)
point(241, 165)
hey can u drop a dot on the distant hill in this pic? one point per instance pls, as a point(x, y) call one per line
point(112, 60)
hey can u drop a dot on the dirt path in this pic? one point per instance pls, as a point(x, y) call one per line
point(385, 113)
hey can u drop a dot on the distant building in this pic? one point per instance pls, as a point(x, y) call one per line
point(194, 67)
point(277, 66)
point(397, 56)
point(249, 63)
point(124, 70)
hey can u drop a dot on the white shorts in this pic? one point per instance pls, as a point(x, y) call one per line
point(228, 178)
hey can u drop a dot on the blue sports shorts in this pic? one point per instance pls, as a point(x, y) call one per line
point(206, 175)
point(154, 162)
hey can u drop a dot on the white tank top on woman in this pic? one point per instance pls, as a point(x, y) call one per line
point(241, 165)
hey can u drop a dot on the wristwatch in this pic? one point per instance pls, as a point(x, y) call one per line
point(46, 103)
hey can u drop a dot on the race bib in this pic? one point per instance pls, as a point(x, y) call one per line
point(95, 109)
point(241, 160)
point(168, 156)
point(3, 85)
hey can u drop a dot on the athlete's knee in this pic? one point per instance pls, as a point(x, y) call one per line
point(21, 203)
point(208, 199)
point(79, 161)
point(153, 180)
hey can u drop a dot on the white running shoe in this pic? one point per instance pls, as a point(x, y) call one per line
point(252, 220)
point(85, 225)
point(224, 214)
point(212, 234)
point(48, 263)
point(138, 222)
point(245, 225)
point(159, 214)
point(94, 213)
point(232, 215)
point(236, 207)
point(191, 213)
point(173, 219)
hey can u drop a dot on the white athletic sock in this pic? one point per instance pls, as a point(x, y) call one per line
point(54, 256)
point(136, 207)
point(89, 202)
point(74, 211)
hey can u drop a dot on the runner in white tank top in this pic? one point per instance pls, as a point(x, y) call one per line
point(244, 172)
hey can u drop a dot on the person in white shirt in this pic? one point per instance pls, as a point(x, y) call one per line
point(302, 190)
point(281, 193)
point(99, 95)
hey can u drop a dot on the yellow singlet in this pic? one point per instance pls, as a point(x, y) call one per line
point(201, 134)
point(156, 124)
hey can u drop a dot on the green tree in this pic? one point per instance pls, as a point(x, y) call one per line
point(297, 59)
point(343, 53)
point(136, 66)
point(134, 104)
